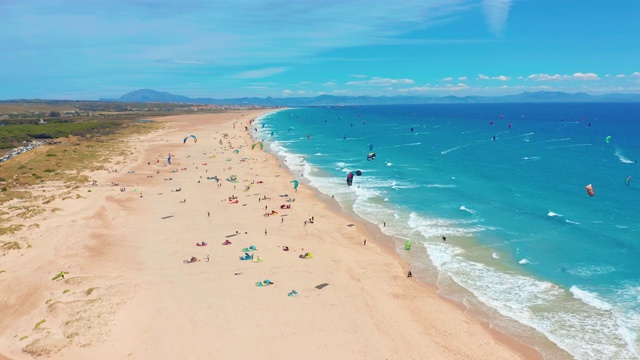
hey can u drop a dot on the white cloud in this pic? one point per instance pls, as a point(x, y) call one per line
point(448, 79)
point(289, 92)
point(496, 12)
point(359, 76)
point(500, 78)
point(556, 77)
point(587, 76)
point(635, 75)
point(329, 83)
point(378, 81)
point(429, 88)
point(260, 73)
point(620, 76)
point(462, 78)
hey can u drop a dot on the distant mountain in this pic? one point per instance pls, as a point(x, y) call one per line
point(146, 96)
point(150, 96)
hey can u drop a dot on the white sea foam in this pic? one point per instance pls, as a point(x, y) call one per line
point(464, 208)
point(586, 332)
point(552, 214)
point(586, 271)
point(524, 261)
point(622, 158)
point(433, 227)
point(495, 256)
point(442, 186)
point(566, 146)
point(589, 298)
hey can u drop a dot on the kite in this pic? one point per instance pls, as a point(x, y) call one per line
point(259, 143)
point(607, 139)
point(295, 184)
point(350, 176)
point(628, 180)
point(590, 190)
point(195, 139)
point(169, 159)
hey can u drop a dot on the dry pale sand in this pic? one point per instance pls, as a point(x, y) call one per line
point(129, 294)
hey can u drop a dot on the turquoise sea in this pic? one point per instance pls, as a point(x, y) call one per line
point(527, 248)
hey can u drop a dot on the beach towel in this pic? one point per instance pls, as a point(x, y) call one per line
point(257, 259)
point(226, 242)
point(293, 293)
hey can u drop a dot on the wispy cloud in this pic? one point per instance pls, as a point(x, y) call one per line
point(378, 81)
point(496, 13)
point(635, 75)
point(260, 73)
point(429, 88)
point(359, 76)
point(557, 77)
point(462, 78)
point(448, 79)
point(182, 62)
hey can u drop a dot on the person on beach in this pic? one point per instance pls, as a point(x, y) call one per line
point(444, 238)
point(409, 274)
point(365, 242)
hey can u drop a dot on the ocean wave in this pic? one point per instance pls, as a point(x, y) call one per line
point(442, 186)
point(552, 214)
point(583, 331)
point(433, 227)
point(589, 298)
point(590, 270)
point(524, 261)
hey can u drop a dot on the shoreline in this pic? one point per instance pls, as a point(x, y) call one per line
point(387, 244)
point(128, 260)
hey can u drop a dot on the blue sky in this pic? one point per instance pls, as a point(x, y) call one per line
point(91, 49)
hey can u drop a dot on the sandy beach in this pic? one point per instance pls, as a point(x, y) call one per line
point(131, 291)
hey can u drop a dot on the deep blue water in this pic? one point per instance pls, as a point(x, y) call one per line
point(505, 183)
